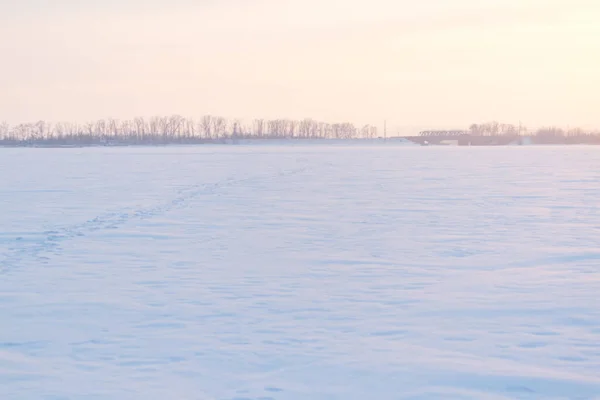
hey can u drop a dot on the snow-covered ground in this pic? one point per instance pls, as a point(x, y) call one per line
point(300, 272)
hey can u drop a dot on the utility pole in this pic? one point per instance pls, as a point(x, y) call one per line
point(384, 130)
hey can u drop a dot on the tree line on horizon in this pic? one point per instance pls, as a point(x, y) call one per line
point(543, 135)
point(177, 129)
point(498, 129)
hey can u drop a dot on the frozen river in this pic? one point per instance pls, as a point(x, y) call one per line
point(300, 272)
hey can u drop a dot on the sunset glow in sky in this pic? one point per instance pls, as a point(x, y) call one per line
point(437, 63)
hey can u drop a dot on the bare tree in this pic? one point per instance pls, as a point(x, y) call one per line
point(259, 127)
point(4, 130)
point(140, 127)
point(293, 128)
point(220, 127)
point(154, 126)
point(207, 125)
point(89, 129)
point(190, 128)
point(304, 128)
point(237, 129)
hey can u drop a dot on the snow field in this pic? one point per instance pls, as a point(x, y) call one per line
point(300, 272)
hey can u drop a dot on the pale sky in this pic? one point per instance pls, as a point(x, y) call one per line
point(427, 63)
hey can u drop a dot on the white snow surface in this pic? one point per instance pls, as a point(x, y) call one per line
point(300, 272)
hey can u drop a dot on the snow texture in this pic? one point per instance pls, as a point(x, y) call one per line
point(300, 272)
